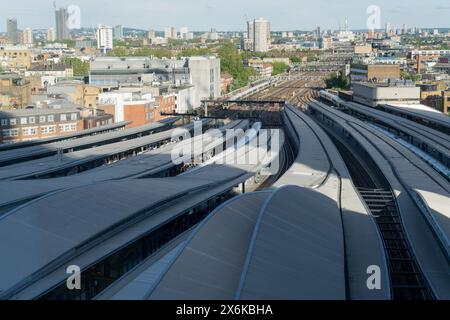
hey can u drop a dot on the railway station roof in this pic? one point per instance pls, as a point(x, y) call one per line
point(88, 141)
point(278, 244)
point(65, 222)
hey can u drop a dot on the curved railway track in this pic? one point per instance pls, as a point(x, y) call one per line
point(409, 281)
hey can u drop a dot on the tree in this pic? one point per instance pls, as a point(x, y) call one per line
point(80, 68)
point(337, 81)
point(410, 76)
point(117, 52)
point(296, 59)
point(158, 52)
point(279, 68)
point(195, 52)
point(232, 62)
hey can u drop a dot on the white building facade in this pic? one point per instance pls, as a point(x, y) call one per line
point(105, 38)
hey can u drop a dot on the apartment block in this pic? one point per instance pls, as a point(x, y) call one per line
point(29, 124)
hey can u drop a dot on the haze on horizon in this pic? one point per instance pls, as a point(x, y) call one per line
point(231, 15)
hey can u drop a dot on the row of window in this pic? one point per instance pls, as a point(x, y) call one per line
point(41, 119)
point(32, 131)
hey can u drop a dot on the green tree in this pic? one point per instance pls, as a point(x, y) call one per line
point(232, 62)
point(117, 52)
point(296, 59)
point(195, 52)
point(80, 68)
point(410, 76)
point(337, 81)
point(279, 68)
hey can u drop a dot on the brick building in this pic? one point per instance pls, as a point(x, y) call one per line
point(140, 111)
point(374, 72)
point(15, 91)
point(29, 124)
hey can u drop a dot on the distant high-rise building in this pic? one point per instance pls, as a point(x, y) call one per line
point(183, 32)
point(170, 33)
point(62, 31)
point(404, 30)
point(387, 29)
point(118, 32)
point(27, 36)
point(213, 35)
point(251, 31)
point(261, 29)
point(11, 31)
point(151, 34)
point(189, 36)
point(105, 38)
point(51, 35)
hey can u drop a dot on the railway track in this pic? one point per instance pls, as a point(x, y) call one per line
point(407, 277)
point(407, 280)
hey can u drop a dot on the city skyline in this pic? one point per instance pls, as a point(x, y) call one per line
point(202, 15)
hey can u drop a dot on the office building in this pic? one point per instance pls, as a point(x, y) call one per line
point(118, 32)
point(62, 31)
point(398, 92)
point(251, 33)
point(261, 29)
point(183, 32)
point(51, 35)
point(105, 38)
point(11, 31)
point(170, 33)
point(360, 72)
point(27, 36)
point(201, 72)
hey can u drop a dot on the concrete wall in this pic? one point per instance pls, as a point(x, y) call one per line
point(205, 76)
point(371, 95)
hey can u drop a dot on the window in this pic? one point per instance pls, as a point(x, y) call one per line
point(68, 127)
point(13, 121)
point(51, 118)
point(63, 117)
point(73, 117)
point(4, 122)
point(42, 119)
point(8, 133)
point(48, 129)
point(29, 131)
point(32, 120)
point(23, 121)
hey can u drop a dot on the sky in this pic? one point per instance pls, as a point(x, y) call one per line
point(200, 15)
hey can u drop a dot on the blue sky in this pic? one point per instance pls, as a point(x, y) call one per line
point(230, 14)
